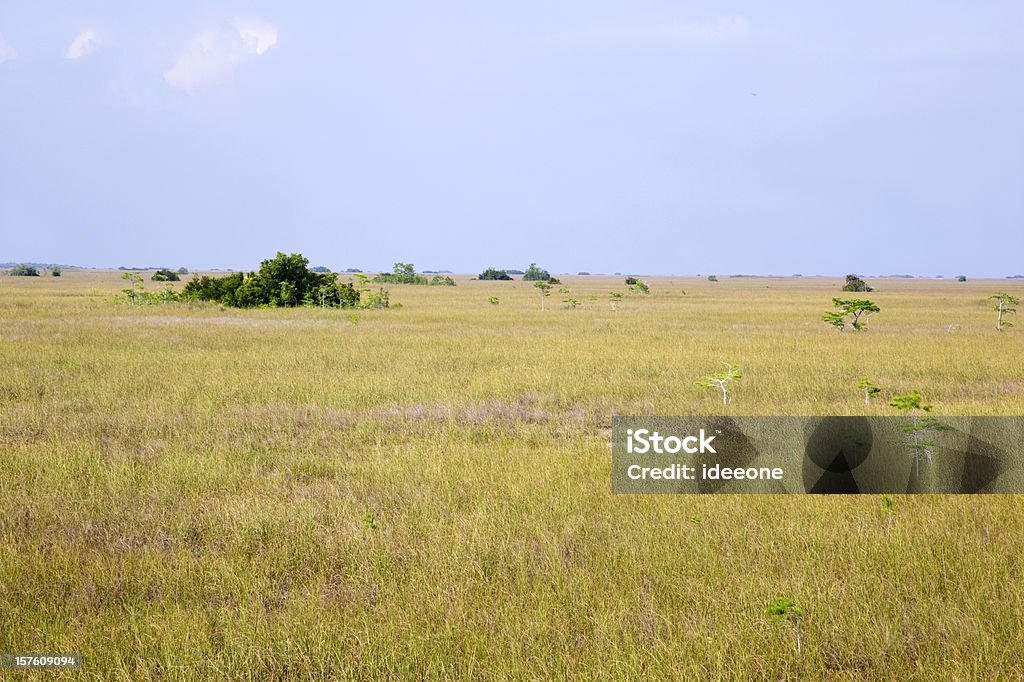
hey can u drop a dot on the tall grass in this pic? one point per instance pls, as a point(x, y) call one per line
point(191, 492)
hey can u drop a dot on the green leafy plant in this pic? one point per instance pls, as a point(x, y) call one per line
point(56, 271)
point(722, 380)
point(535, 274)
point(165, 276)
point(493, 300)
point(135, 286)
point(494, 274)
point(370, 521)
point(871, 390)
point(855, 283)
point(784, 611)
point(545, 290)
point(1003, 303)
point(889, 509)
point(638, 286)
point(712, 278)
point(614, 298)
point(918, 428)
point(24, 270)
point(854, 308)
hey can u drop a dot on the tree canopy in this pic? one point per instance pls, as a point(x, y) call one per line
point(284, 280)
point(535, 274)
point(493, 274)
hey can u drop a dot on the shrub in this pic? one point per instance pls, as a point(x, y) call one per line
point(855, 283)
point(165, 276)
point(535, 274)
point(282, 281)
point(494, 274)
point(24, 270)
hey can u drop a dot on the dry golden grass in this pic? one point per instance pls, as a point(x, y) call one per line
point(190, 492)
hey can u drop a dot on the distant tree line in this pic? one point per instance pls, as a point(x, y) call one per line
point(405, 273)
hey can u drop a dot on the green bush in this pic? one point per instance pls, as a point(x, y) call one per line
point(494, 274)
point(165, 276)
point(283, 281)
point(24, 270)
point(855, 283)
point(535, 274)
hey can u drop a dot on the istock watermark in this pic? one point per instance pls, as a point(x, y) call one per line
point(818, 455)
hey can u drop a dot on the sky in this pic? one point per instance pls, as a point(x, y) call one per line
point(645, 137)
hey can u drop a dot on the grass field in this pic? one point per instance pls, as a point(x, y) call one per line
point(424, 492)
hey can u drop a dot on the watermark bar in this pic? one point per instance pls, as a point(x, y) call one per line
point(818, 455)
point(34, 661)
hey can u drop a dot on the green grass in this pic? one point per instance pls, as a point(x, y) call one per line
point(190, 492)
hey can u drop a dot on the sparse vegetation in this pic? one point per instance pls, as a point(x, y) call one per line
point(783, 610)
point(186, 489)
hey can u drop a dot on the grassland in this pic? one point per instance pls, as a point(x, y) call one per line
point(190, 492)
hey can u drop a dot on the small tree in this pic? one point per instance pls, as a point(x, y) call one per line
point(918, 428)
point(1003, 303)
point(56, 271)
point(545, 291)
point(784, 611)
point(721, 380)
point(135, 286)
point(871, 390)
point(712, 278)
point(855, 308)
point(614, 298)
point(961, 278)
point(855, 283)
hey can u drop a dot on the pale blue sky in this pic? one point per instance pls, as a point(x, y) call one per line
point(882, 138)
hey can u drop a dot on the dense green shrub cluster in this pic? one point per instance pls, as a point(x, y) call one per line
point(23, 270)
point(165, 276)
point(855, 283)
point(285, 280)
point(535, 274)
point(492, 273)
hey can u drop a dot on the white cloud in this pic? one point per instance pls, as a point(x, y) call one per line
point(7, 52)
point(258, 36)
point(85, 42)
point(212, 55)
